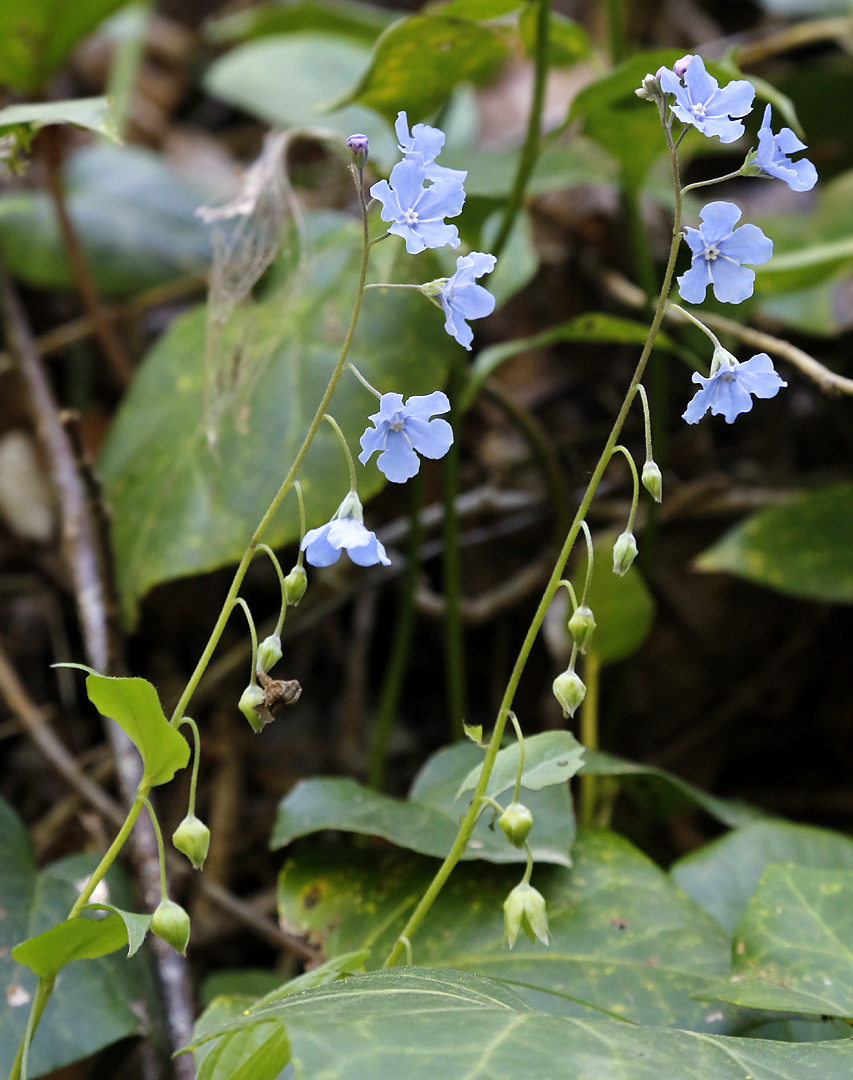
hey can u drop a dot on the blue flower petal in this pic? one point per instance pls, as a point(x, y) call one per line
point(748, 244)
point(398, 462)
point(732, 283)
point(318, 550)
point(425, 405)
point(431, 438)
point(729, 391)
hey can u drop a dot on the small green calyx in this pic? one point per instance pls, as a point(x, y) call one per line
point(582, 627)
point(652, 480)
point(524, 909)
point(516, 822)
point(269, 652)
point(624, 553)
point(172, 924)
point(570, 691)
point(192, 838)
point(295, 585)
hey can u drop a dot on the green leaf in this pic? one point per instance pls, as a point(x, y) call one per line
point(182, 507)
point(419, 60)
point(363, 22)
point(299, 80)
point(134, 705)
point(592, 327)
point(801, 548)
point(623, 607)
point(809, 265)
point(421, 1024)
point(648, 783)
point(91, 113)
point(624, 941)
point(37, 35)
point(428, 821)
point(551, 758)
point(134, 215)
point(476, 10)
point(793, 944)
point(94, 1004)
point(568, 42)
point(722, 875)
point(80, 939)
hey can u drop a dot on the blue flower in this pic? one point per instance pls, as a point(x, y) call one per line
point(461, 298)
point(703, 104)
point(426, 141)
point(719, 251)
point(773, 153)
point(345, 532)
point(399, 430)
point(727, 391)
point(416, 212)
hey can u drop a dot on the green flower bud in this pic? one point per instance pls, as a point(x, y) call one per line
point(295, 585)
point(192, 838)
point(524, 909)
point(569, 691)
point(624, 553)
point(652, 480)
point(269, 652)
point(172, 924)
point(252, 696)
point(582, 627)
point(516, 821)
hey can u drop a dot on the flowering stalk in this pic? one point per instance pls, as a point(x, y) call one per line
point(468, 822)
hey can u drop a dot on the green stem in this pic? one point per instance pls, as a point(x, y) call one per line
point(530, 150)
point(42, 995)
point(111, 853)
point(196, 760)
point(708, 183)
point(345, 447)
point(636, 496)
point(241, 603)
point(389, 696)
point(454, 637)
point(697, 322)
point(647, 421)
point(161, 850)
point(286, 484)
point(588, 791)
point(468, 822)
point(279, 626)
point(351, 367)
point(589, 559)
point(616, 31)
point(517, 790)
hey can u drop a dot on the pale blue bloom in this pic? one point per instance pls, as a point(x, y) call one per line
point(727, 391)
point(773, 153)
point(400, 430)
point(461, 298)
point(702, 103)
point(426, 141)
point(416, 212)
point(719, 251)
point(345, 532)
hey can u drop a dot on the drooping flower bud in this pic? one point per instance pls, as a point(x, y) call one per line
point(192, 838)
point(516, 821)
point(358, 144)
point(252, 698)
point(652, 480)
point(524, 909)
point(295, 585)
point(172, 924)
point(269, 652)
point(681, 66)
point(624, 553)
point(570, 691)
point(582, 627)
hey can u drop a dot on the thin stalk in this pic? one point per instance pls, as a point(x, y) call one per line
point(530, 151)
point(286, 484)
point(454, 638)
point(635, 499)
point(468, 822)
point(518, 734)
point(279, 626)
point(161, 849)
point(42, 995)
point(708, 183)
point(111, 853)
point(588, 789)
point(196, 761)
point(616, 31)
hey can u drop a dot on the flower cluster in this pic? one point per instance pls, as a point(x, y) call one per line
point(722, 253)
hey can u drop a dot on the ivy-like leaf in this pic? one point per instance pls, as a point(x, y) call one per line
point(550, 758)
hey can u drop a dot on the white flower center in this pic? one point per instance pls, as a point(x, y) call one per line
point(711, 252)
point(410, 217)
point(698, 111)
point(398, 423)
point(728, 375)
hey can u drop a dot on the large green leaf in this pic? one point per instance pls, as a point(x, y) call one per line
point(421, 1024)
point(722, 875)
point(428, 821)
point(801, 547)
point(794, 944)
point(23, 122)
point(182, 507)
point(624, 940)
point(420, 60)
point(94, 1003)
point(298, 80)
point(83, 938)
point(550, 758)
point(340, 17)
point(37, 35)
point(134, 215)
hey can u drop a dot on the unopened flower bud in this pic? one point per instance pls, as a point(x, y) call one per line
point(624, 553)
point(649, 89)
point(252, 696)
point(681, 66)
point(524, 909)
point(295, 585)
point(516, 821)
point(652, 480)
point(192, 838)
point(358, 144)
point(582, 627)
point(172, 924)
point(570, 691)
point(269, 652)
